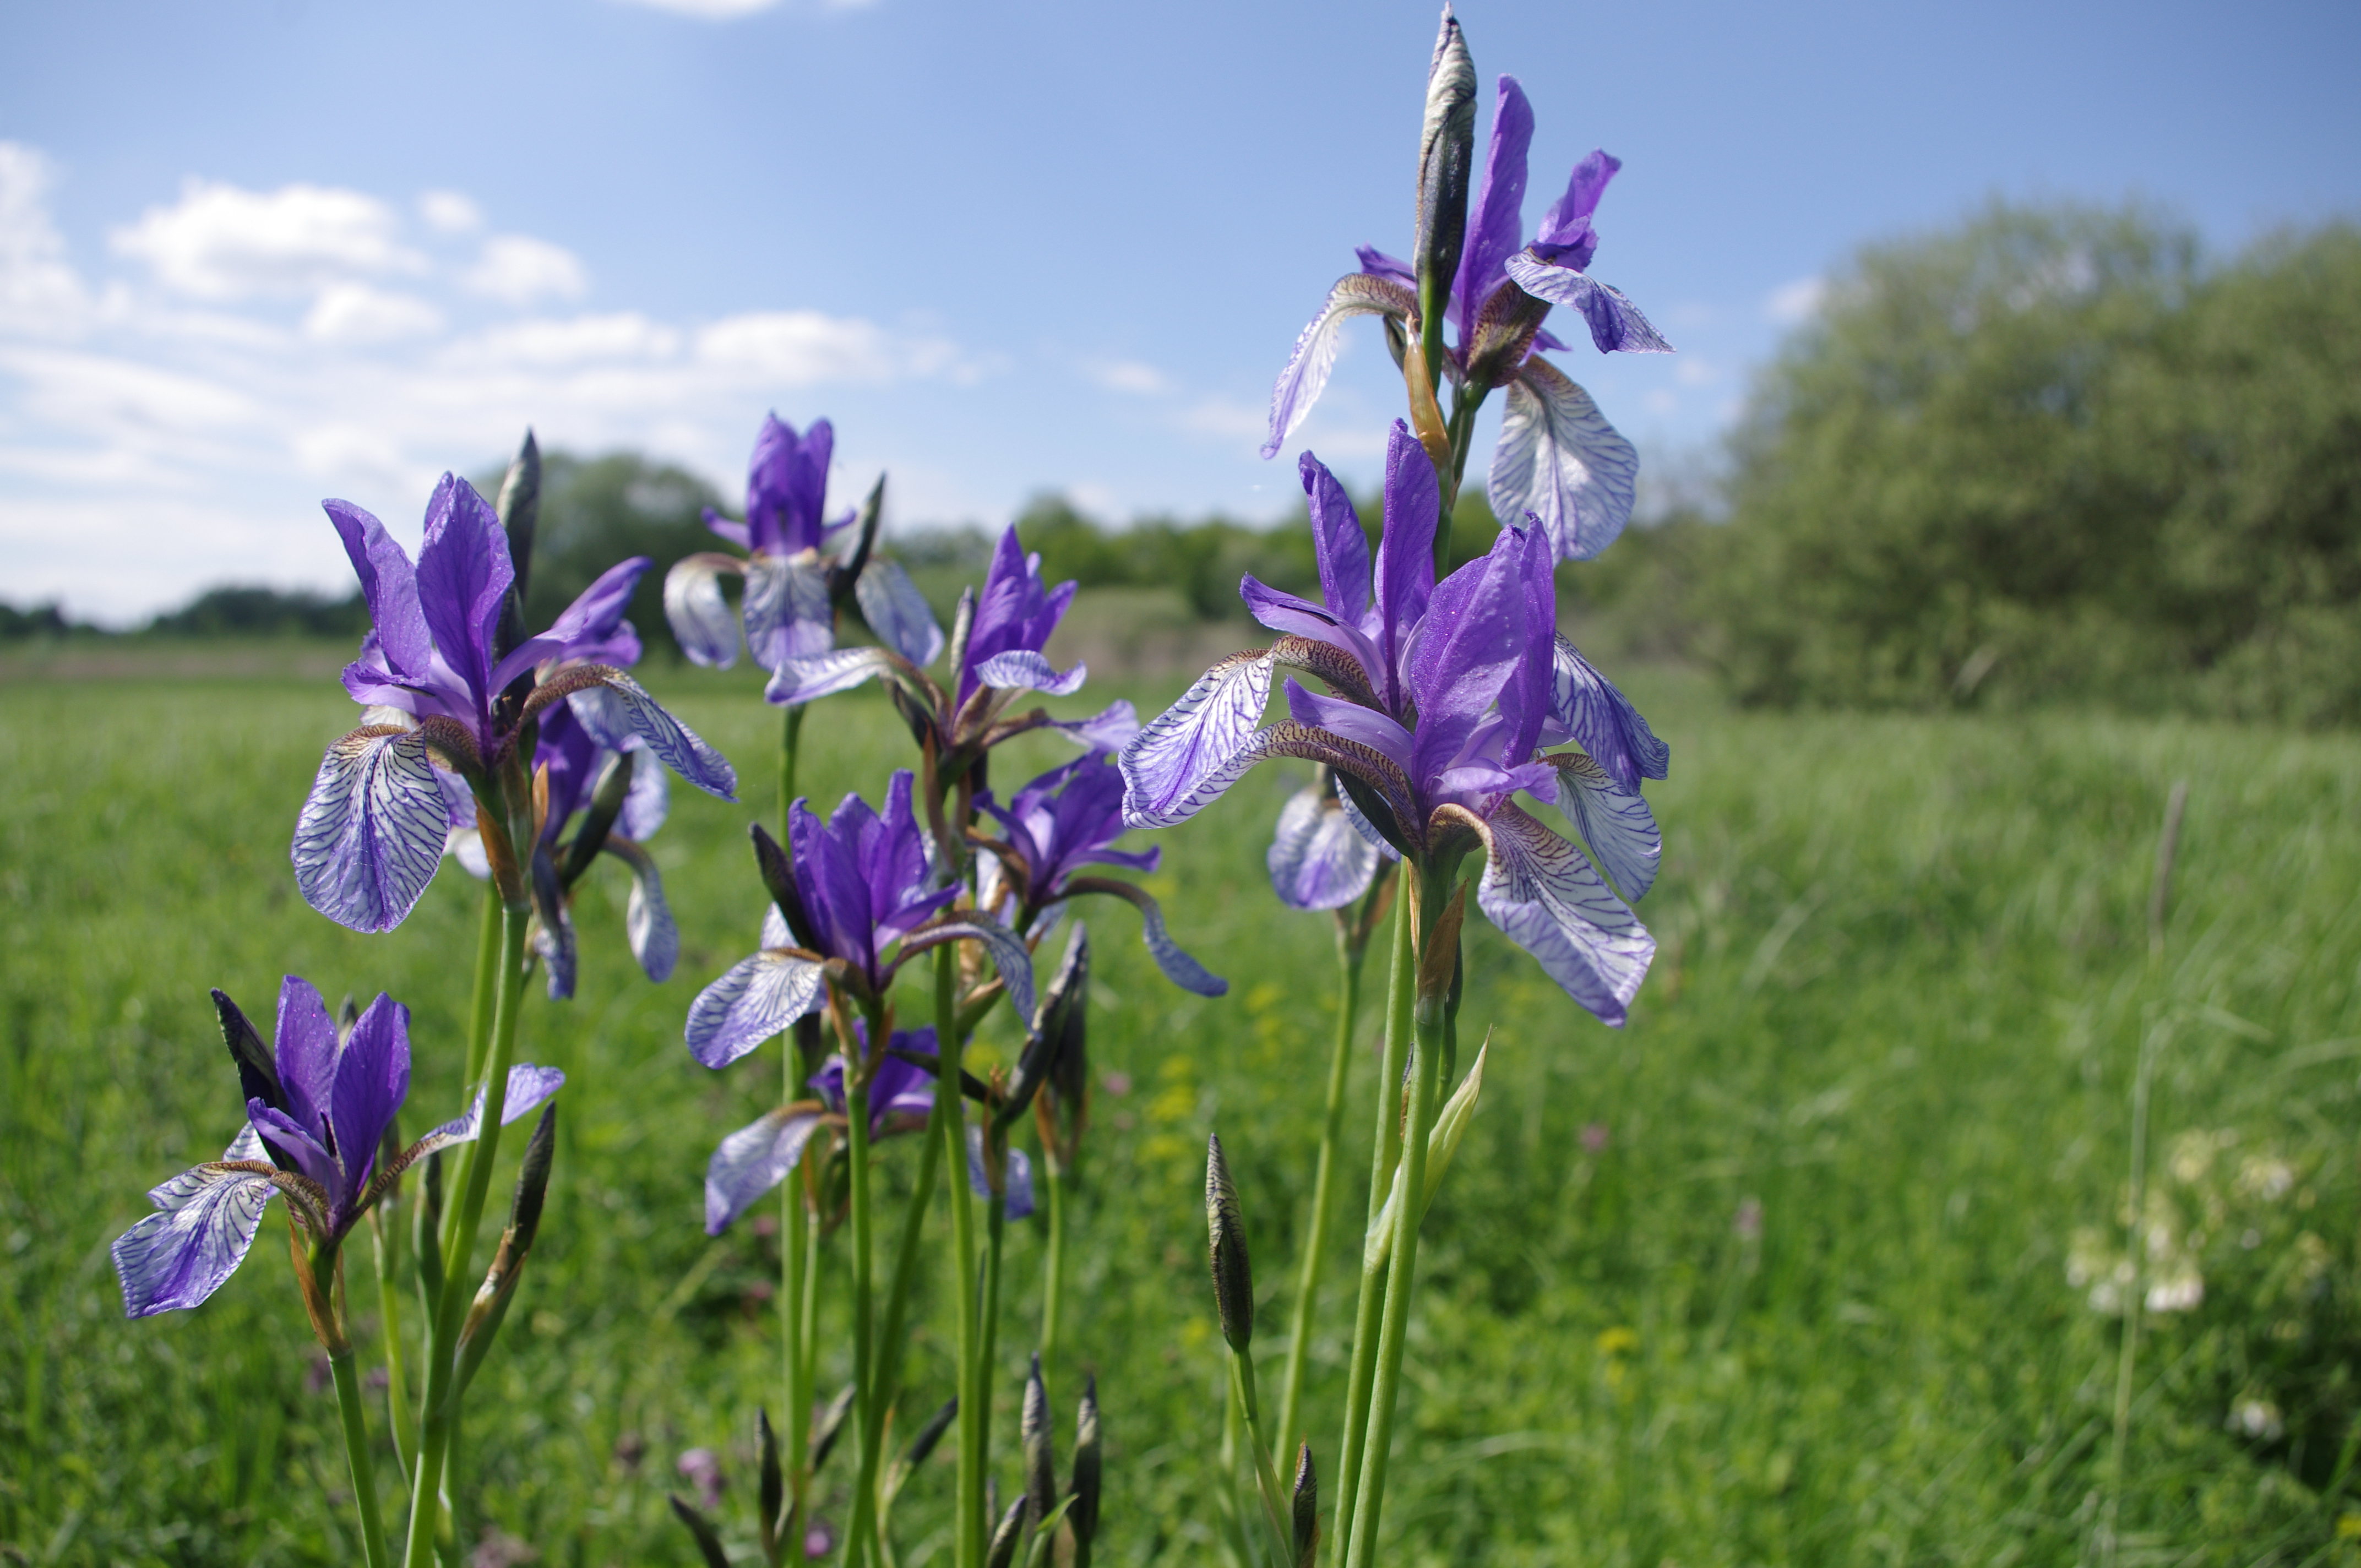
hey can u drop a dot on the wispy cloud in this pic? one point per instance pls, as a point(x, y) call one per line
point(219, 242)
point(1129, 375)
point(520, 270)
point(1792, 302)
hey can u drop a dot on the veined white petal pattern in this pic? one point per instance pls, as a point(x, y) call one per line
point(1021, 669)
point(752, 1160)
point(700, 617)
point(1318, 858)
point(205, 1222)
point(897, 612)
point(1559, 459)
point(756, 999)
point(370, 834)
point(621, 708)
point(1168, 766)
point(1543, 893)
point(1620, 828)
point(1300, 384)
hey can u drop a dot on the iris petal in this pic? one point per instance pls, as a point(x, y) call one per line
point(752, 1160)
point(1543, 894)
point(178, 1256)
point(1318, 858)
point(700, 617)
point(1169, 767)
point(647, 918)
point(1021, 669)
point(1559, 459)
point(1308, 368)
point(619, 707)
point(897, 612)
point(1618, 826)
point(757, 998)
point(1616, 323)
point(371, 833)
point(818, 675)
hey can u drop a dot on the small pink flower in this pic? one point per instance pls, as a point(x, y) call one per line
point(1594, 1138)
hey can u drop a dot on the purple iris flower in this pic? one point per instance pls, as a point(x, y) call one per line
point(372, 831)
point(789, 609)
point(1068, 818)
point(317, 1111)
point(995, 657)
point(1443, 696)
point(757, 1158)
point(865, 884)
point(1557, 458)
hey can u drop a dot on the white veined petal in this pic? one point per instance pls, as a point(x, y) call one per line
point(1559, 459)
point(700, 617)
point(1170, 766)
point(1545, 895)
point(621, 708)
point(1319, 859)
point(824, 674)
point(897, 612)
point(1618, 826)
point(1021, 669)
point(205, 1224)
point(370, 834)
point(752, 1160)
point(1308, 368)
point(757, 998)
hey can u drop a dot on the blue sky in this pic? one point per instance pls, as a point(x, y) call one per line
point(253, 254)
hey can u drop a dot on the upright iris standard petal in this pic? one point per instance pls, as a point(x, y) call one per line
point(372, 832)
point(1585, 706)
point(1405, 570)
point(372, 1080)
point(700, 617)
point(616, 708)
point(1561, 461)
point(206, 1223)
point(463, 574)
point(390, 587)
point(897, 612)
point(1009, 955)
point(754, 999)
point(590, 628)
point(1540, 892)
point(1338, 542)
point(1318, 859)
point(1469, 648)
point(1314, 357)
point(1566, 237)
point(752, 1160)
point(1014, 613)
point(303, 1051)
point(1494, 226)
point(1168, 766)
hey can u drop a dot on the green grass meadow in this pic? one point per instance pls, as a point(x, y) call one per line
point(1797, 1269)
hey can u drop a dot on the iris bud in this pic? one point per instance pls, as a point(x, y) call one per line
point(1002, 1552)
point(1447, 153)
point(847, 571)
point(1040, 1463)
point(1232, 1275)
point(774, 1503)
point(779, 881)
point(1082, 1514)
point(923, 1446)
point(1307, 1510)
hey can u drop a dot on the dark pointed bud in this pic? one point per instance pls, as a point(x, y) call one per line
point(828, 1426)
point(773, 1502)
point(1002, 1552)
point(426, 1228)
point(348, 1017)
point(1374, 808)
point(709, 1541)
point(533, 1181)
point(1232, 1275)
point(779, 881)
point(1307, 1510)
point(1083, 1517)
point(848, 571)
point(922, 1447)
point(607, 798)
point(1040, 1462)
point(1064, 1022)
point(916, 718)
point(1447, 153)
point(962, 622)
point(519, 509)
point(257, 1069)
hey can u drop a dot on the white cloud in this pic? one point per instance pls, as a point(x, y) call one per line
point(1226, 417)
point(520, 270)
point(1129, 375)
point(219, 242)
point(731, 10)
point(450, 212)
point(582, 340)
point(801, 348)
point(39, 292)
point(1688, 370)
point(1792, 302)
point(357, 315)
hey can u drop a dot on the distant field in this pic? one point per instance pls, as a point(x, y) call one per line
point(1802, 1297)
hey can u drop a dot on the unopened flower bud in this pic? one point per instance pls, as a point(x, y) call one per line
point(1002, 1552)
point(779, 881)
point(1307, 1510)
point(1447, 153)
point(772, 1505)
point(1082, 1514)
point(1040, 1462)
point(845, 575)
point(1232, 1275)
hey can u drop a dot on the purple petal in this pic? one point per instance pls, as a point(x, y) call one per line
point(1021, 669)
point(389, 584)
point(1405, 574)
point(1616, 323)
point(700, 617)
point(296, 1141)
point(1602, 722)
point(179, 1256)
point(552, 933)
point(1560, 460)
point(371, 833)
point(799, 681)
point(619, 707)
point(752, 1160)
point(1378, 264)
point(1284, 612)
point(372, 1080)
point(1318, 860)
point(304, 1051)
point(464, 574)
point(1308, 368)
point(1009, 956)
point(646, 803)
point(897, 612)
point(1469, 647)
point(1166, 767)
point(585, 630)
point(788, 610)
point(528, 1086)
point(1540, 892)
point(1017, 1170)
point(1110, 729)
point(1351, 721)
point(1338, 541)
point(1496, 224)
point(756, 999)
point(1618, 826)
point(1178, 967)
point(735, 532)
point(1565, 228)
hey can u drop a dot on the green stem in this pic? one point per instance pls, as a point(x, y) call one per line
point(1053, 1266)
point(888, 1375)
point(357, 1453)
point(790, 742)
point(1386, 1149)
point(480, 1013)
point(1349, 958)
point(793, 1223)
point(950, 1117)
point(995, 1229)
point(1242, 1388)
point(397, 1390)
point(459, 1244)
point(865, 1412)
point(1402, 1278)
